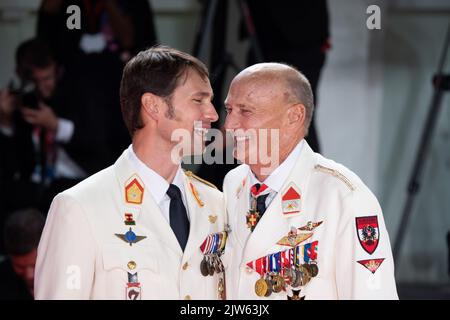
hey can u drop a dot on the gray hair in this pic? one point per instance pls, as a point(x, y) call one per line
point(300, 91)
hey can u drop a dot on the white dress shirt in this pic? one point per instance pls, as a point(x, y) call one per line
point(276, 179)
point(156, 184)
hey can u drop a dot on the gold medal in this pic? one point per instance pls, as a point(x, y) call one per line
point(261, 287)
point(269, 286)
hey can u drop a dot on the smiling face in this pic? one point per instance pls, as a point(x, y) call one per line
point(188, 111)
point(261, 101)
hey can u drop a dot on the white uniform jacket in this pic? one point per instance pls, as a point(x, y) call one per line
point(81, 257)
point(350, 243)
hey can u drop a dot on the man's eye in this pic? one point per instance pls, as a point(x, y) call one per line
point(245, 111)
point(197, 100)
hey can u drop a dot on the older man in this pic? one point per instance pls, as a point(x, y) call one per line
point(303, 226)
point(142, 228)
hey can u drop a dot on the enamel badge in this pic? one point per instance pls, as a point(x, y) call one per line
point(130, 237)
point(291, 200)
point(310, 226)
point(368, 233)
point(129, 220)
point(133, 289)
point(294, 238)
point(134, 191)
point(372, 264)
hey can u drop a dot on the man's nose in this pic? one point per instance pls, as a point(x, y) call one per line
point(231, 122)
point(211, 113)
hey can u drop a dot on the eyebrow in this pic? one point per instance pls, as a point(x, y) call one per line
point(203, 94)
point(244, 106)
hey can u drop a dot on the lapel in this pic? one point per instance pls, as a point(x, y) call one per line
point(242, 206)
point(149, 218)
point(274, 224)
point(199, 222)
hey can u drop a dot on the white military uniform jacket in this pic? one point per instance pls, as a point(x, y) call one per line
point(351, 246)
point(80, 257)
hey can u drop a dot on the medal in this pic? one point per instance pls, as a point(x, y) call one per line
point(210, 266)
point(261, 287)
point(212, 248)
point(268, 281)
point(305, 277)
point(204, 267)
point(313, 269)
point(298, 278)
point(277, 283)
point(296, 295)
point(252, 218)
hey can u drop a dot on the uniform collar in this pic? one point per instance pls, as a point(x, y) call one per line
point(156, 184)
point(277, 178)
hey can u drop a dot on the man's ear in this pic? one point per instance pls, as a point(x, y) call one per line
point(297, 114)
point(150, 106)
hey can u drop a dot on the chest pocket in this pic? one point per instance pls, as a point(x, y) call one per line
point(131, 259)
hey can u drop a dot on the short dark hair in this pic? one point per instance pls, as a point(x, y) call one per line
point(23, 231)
point(33, 53)
point(157, 70)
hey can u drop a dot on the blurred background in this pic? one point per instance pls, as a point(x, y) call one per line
point(60, 119)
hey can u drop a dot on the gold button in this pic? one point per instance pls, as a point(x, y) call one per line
point(131, 265)
point(185, 266)
point(188, 297)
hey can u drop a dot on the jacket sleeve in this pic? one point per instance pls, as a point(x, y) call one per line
point(66, 254)
point(364, 262)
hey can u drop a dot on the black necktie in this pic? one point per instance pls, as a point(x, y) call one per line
point(261, 204)
point(178, 216)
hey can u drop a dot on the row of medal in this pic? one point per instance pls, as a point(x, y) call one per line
point(212, 249)
point(293, 267)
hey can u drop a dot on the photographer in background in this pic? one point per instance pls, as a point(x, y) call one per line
point(44, 133)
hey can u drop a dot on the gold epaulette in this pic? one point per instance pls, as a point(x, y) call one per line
point(337, 174)
point(191, 175)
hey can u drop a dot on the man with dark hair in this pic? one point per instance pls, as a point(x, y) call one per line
point(305, 227)
point(143, 228)
point(45, 138)
point(21, 237)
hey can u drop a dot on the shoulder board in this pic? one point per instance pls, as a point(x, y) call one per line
point(335, 173)
point(191, 175)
